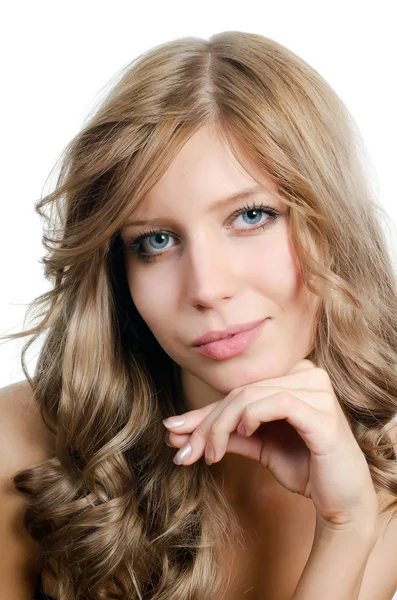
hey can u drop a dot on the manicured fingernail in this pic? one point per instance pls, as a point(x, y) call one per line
point(173, 422)
point(167, 439)
point(182, 454)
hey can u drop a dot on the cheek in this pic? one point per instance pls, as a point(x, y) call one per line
point(283, 283)
point(278, 274)
point(150, 298)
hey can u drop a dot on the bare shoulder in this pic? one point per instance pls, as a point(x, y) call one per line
point(24, 442)
point(19, 407)
point(24, 438)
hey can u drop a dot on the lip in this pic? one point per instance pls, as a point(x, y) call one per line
point(236, 345)
point(213, 336)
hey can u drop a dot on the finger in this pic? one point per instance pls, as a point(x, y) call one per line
point(190, 419)
point(194, 417)
point(315, 427)
point(222, 421)
point(225, 418)
point(305, 375)
point(175, 440)
point(249, 447)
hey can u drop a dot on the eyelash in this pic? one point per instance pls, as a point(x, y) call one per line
point(135, 247)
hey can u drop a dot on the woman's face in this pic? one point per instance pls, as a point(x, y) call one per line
point(217, 270)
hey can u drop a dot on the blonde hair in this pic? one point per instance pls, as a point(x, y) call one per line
point(113, 515)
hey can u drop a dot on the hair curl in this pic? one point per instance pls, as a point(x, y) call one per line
point(113, 515)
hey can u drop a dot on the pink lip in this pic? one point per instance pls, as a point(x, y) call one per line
point(237, 344)
point(213, 336)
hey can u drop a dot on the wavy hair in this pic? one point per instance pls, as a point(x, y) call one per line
point(113, 515)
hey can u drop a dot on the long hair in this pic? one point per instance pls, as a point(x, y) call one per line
point(113, 515)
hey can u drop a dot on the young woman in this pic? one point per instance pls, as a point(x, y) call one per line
point(216, 194)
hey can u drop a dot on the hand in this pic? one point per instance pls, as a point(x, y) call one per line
point(296, 428)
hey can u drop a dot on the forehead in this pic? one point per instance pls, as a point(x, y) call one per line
point(206, 166)
point(204, 176)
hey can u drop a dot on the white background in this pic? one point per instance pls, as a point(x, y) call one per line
point(56, 58)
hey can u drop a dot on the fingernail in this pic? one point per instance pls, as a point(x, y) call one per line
point(241, 429)
point(173, 422)
point(182, 454)
point(209, 454)
point(167, 439)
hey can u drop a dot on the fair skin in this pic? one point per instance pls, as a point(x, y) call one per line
point(216, 270)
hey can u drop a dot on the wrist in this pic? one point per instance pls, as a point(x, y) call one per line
point(363, 532)
point(336, 564)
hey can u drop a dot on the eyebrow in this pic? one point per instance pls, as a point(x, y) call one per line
point(245, 193)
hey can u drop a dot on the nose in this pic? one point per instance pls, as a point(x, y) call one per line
point(211, 270)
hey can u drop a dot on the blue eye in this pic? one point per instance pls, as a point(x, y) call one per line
point(161, 237)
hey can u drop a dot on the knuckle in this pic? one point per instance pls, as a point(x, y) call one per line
point(330, 404)
point(214, 428)
point(235, 392)
point(330, 399)
point(245, 393)
point(321, 375)
point(200, 431)
point(286, 400)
